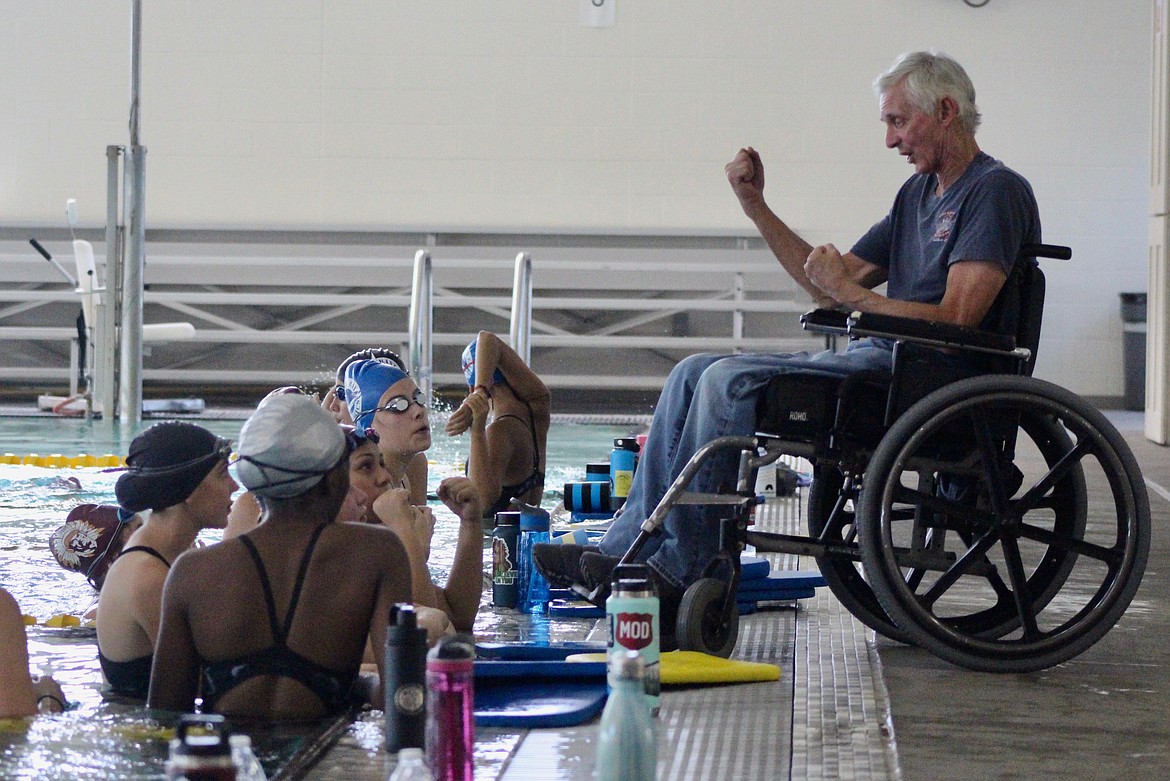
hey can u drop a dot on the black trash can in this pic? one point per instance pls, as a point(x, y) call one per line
point(1133, 327)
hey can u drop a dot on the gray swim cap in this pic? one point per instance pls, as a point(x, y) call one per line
point(287, 446)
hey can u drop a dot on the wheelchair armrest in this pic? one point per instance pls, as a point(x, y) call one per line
point(928, 332)
point(826, 321)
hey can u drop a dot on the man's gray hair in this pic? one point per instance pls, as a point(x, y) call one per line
point(930, 77)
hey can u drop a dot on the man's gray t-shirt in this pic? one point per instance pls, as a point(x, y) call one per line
point(988, 214)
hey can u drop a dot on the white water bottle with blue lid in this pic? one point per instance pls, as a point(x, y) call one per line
point(632, 614)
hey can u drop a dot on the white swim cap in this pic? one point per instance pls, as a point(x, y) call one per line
point(287, 446)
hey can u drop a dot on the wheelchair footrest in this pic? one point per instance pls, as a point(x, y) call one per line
point(732, 500)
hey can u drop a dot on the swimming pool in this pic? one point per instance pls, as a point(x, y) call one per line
point(104, 738)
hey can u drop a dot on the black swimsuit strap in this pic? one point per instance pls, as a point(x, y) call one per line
point(269, 601)
point(296, 595)
point(279, 636)
point(531, 424)
point(146, 549)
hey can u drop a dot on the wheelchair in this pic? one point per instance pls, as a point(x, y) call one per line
point(994, 519)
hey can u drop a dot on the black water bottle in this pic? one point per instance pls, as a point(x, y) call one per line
point(405, 685)
point(505, 569)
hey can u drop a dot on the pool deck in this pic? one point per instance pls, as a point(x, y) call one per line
point(850, 705)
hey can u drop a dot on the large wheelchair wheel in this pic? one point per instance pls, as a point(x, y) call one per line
point(832, 510)
point(997, 470)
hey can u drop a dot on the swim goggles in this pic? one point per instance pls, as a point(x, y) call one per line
point(400, 404)
point(355, 438)
point(221, 450)
point(300, 474)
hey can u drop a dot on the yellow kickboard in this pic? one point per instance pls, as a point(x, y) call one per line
point(688, 668)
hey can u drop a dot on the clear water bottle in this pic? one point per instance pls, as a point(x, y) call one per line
point(248, 767)
point(451, 709)
point(626, 746)
point(533, 592)
point(412, 766)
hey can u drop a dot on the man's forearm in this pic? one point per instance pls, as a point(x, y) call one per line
point(789, 249)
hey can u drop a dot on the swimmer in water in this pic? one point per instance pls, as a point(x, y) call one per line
point(177, 478)
point(384, 401)
point(308, 593)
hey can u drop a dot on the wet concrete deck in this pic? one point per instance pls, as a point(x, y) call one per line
point(850, 705)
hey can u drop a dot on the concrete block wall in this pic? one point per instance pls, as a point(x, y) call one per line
point(511, 116)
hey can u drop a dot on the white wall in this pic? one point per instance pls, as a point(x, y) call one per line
point(461, 114)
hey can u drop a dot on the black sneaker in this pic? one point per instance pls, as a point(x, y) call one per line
point(560, 562)
point(597, 572)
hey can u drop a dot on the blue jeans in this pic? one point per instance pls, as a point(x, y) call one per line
point(708, 396)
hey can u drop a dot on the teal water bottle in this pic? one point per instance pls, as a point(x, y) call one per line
point(632, 612)
point(626, 747)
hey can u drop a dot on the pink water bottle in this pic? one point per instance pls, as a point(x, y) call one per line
point(451, 709)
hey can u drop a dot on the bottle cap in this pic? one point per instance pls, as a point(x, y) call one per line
point(632, 577)
point(454, 652)
point(626, 443)
point(508, 518)
point(201, 735)
point(628, 665)
point(403, 624)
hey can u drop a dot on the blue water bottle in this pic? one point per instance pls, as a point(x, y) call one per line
point(532, 596)
point(623, 459)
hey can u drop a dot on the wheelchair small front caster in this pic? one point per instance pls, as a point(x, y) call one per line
point(702, 624)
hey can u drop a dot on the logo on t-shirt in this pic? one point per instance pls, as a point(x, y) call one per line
point(943, 226)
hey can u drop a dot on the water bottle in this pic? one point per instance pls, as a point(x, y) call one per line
point(505, 549)
point(248, 767)
point(451, 709)
point(411, 766)
point(632, 612)
point(623, 459)
point(533, 592)
point(626, 747)
point(405, 687)
point(200, 750)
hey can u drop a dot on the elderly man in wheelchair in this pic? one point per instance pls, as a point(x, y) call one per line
point(949, 501)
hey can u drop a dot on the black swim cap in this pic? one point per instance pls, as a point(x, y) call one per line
point(167, 462)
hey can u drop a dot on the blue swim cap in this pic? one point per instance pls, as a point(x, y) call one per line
point(365, 382)
point(469, 366)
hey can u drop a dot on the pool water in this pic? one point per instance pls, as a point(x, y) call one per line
point(110, 739)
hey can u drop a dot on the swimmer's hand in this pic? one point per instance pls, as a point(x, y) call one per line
point(435, 621)
point(461, 498)
point(473, 412)
point(335, 407)
point(413, 525)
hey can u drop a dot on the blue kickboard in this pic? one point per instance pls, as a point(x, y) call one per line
point(753, 568)
point(531, 651)
point(539, 669)
point(574, 608)
point(776, 596)
point(508, 703)
point(778, 583)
